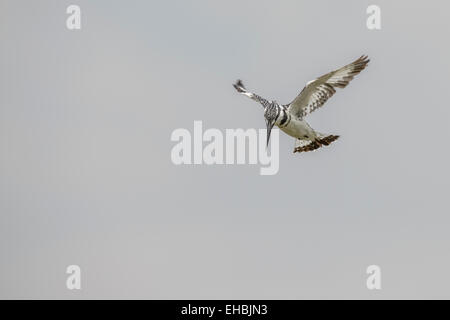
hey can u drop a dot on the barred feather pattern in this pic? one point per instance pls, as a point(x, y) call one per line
point(310, 145)
point(317, 92)
point(239, 86)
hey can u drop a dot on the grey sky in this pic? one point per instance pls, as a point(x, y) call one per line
point(86, 176)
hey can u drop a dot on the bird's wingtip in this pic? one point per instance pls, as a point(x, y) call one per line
point(365, 58)
point(239, 86)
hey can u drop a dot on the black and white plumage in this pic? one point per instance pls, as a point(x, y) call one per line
point(289, 118)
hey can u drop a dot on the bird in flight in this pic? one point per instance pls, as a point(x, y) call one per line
point(290, 117)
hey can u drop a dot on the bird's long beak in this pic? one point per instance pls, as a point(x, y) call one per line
point(269, 129)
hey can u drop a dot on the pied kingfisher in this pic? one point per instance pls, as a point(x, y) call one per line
point(289, 117)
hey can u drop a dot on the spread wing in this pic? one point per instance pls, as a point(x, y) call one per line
point(317, 92)
point(239, 86)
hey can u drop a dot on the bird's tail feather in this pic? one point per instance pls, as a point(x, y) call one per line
point(308, 145)
point(326, 140)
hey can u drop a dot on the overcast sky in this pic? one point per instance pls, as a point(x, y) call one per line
point(86, 176)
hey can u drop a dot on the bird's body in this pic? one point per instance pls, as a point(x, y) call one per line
point(290, 118)
point(293, 126)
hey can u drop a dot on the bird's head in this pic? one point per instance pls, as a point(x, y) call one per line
point(271, 113)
